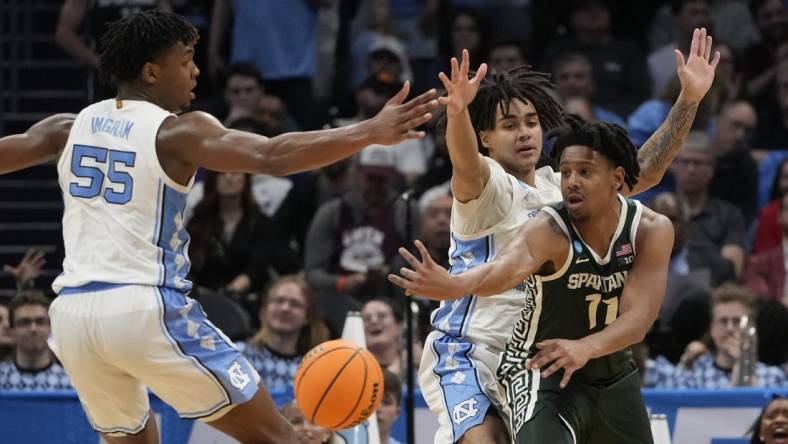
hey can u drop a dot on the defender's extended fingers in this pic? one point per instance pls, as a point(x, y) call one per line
point(465, 66)
point(400, 96)
point(409, 258)
point(446, 82)
point(425, 255)
point(422, 99)
point(707, 53)
point(680, 64)
point(400, 282)
point(480, 73)
point(408, 274)
point(694, 44)
point(716, 60)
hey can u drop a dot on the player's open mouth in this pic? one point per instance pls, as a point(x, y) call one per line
point(574, 200)
point(780, 434)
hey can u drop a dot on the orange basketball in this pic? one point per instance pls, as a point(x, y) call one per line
point(338, 385)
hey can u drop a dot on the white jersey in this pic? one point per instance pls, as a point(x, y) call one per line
point(478, 229)
point(123, 217)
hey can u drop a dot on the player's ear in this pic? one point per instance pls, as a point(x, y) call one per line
point(484, 136)
point(618, 177)
point(150, 73)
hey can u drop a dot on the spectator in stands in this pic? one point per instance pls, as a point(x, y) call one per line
point(230, 247)
point(290, 327)
point(465, 29)
point(716, 227)
point(687, 16)
point(729, 68)
point(33, 367)
point(765, 273)
point(81, 25)
point(243, 91)
point(504, 55)
point(388, 412)
point(27, 270)
point(438, 165)
point(353, 239)
point(305, 431)
point(272, 113)
point(735, 173)
point(6, 338)
point(645, 120)
point(771, 426)
point(383, 334)
point(410, 156)
point(772, 130)
point(373, 29)
point(620, 71)
point(684, 316)
point(574, 81)
point(760, 60)
point(770, 233)
point(719, 367)
point(280, 39)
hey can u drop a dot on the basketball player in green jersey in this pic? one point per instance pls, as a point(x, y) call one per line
point(594, 268)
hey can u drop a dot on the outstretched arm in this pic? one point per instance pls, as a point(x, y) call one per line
point(39, 144)
point(696, 78)
point(537, 242)
point(469, 170)
point(198, 139)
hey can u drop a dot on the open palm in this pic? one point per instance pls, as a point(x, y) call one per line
point(460, 89)
point(697, 73)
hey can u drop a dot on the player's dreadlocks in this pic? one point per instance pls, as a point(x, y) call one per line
point(608, 139)
point(133, 41)
point(499, 89)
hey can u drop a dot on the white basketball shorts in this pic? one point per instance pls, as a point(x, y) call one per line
point(116, 341)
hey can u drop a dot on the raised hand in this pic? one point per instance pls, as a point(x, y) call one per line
point(697, 74)
point(555, 354)
point(460, 91)
point(28, 268)
point(397, 120)
point(426, 279)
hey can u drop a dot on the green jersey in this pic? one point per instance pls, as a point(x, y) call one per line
point(580, 298)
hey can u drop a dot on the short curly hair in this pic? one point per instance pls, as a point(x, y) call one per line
point(133, 41)
point(608, 139)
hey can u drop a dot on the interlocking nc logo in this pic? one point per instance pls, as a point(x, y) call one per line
point(238, 377)
point(464, 410)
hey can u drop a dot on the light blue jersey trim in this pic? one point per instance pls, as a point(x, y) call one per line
point(194, 337)
point(465, 401)
point(91, 287)
point(174, 240)
point(157, 232)
point(453, 317)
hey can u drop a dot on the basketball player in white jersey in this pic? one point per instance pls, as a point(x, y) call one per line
point(122, 322)
point(493, 197)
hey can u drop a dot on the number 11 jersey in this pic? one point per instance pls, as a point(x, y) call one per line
point(580, 298)
point(123, 216)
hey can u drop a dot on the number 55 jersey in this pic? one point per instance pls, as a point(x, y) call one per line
point(123, 216)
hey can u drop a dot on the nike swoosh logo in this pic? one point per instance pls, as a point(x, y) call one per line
point(580, 260)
